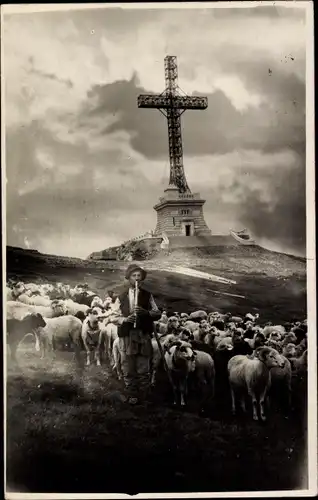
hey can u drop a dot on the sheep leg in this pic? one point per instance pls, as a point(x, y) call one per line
point(98, 349)
point(243, 404)
point(254, 404)
point(183, 391)
point(262, 405)
point(153, 377)
point(88, 361)
point(233, 401)
point(97, 356)
point(37, 341)
point(117, 365)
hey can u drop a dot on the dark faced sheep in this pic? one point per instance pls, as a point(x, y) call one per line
point(18, 329)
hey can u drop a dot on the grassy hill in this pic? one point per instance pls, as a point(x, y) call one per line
point(66, 434)
point(271, 283)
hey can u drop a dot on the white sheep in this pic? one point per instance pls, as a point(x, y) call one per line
point(97, 301)
point(191, 325)
point(268, 329)
point(17, 310)
point(18, 289)
point(253, 374)
point(61, 330)
point(92, 336)
point(205, 370)
point(223, 343)
point(35, 300)
point(9, 294)
point(109, 333)
point(32, 287)
point(73, 307)
point(180, 363)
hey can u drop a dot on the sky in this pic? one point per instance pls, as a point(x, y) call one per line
point(85, 166)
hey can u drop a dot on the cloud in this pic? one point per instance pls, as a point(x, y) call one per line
point(85, 166)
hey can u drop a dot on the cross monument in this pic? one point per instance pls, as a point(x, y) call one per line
point(179, 212)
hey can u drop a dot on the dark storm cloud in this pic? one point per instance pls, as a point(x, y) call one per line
point(219, 129)
point(92, 165)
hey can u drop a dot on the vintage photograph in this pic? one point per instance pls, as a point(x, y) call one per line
point(158, 187)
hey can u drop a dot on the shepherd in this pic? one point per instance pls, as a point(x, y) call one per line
point(136, 325)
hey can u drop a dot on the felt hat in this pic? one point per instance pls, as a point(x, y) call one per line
point(132, 268)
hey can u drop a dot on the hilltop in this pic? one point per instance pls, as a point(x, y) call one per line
point(266, 281)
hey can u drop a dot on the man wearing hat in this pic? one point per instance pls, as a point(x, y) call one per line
point(135, 343)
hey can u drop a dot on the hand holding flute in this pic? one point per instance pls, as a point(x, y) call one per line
point(136, 303)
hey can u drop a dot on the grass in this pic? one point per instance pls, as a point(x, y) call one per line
point(70, 434)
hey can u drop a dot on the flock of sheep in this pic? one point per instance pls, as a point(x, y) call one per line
point(198, 350)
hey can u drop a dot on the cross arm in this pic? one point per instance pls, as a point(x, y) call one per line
point(166, 101)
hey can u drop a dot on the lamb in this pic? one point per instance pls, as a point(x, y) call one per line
point(74, 307)
point(290, 338)
point(236, 319)
point(300, 348)
point(97, 301)
point(32, 287)
point(35, 300)
point(281, 379)
point(201, 332)
point(223, 344)
point(18, 289)
point(257, 341)
point(18, 329)
point(274, 345)
point(276, 336)
point(268, 329)
point(205, 370)
point(299, 365)
point(61, 330)
point(250, 317)
point(17, 310)
point(171, 326)
point(289, 351)
point(9, 294)
point(253, 374)
point(166, 341)
point(198, 315)
point(109, 332)
point(180, 362)
point(92, 336)
point(209, 338)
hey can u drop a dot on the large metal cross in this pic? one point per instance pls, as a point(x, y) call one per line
point(172, 104)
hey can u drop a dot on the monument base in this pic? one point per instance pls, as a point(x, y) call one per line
point(180, 214)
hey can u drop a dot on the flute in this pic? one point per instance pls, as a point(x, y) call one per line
point(136, 301)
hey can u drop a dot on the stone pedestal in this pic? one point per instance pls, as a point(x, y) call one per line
point(180, 214)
